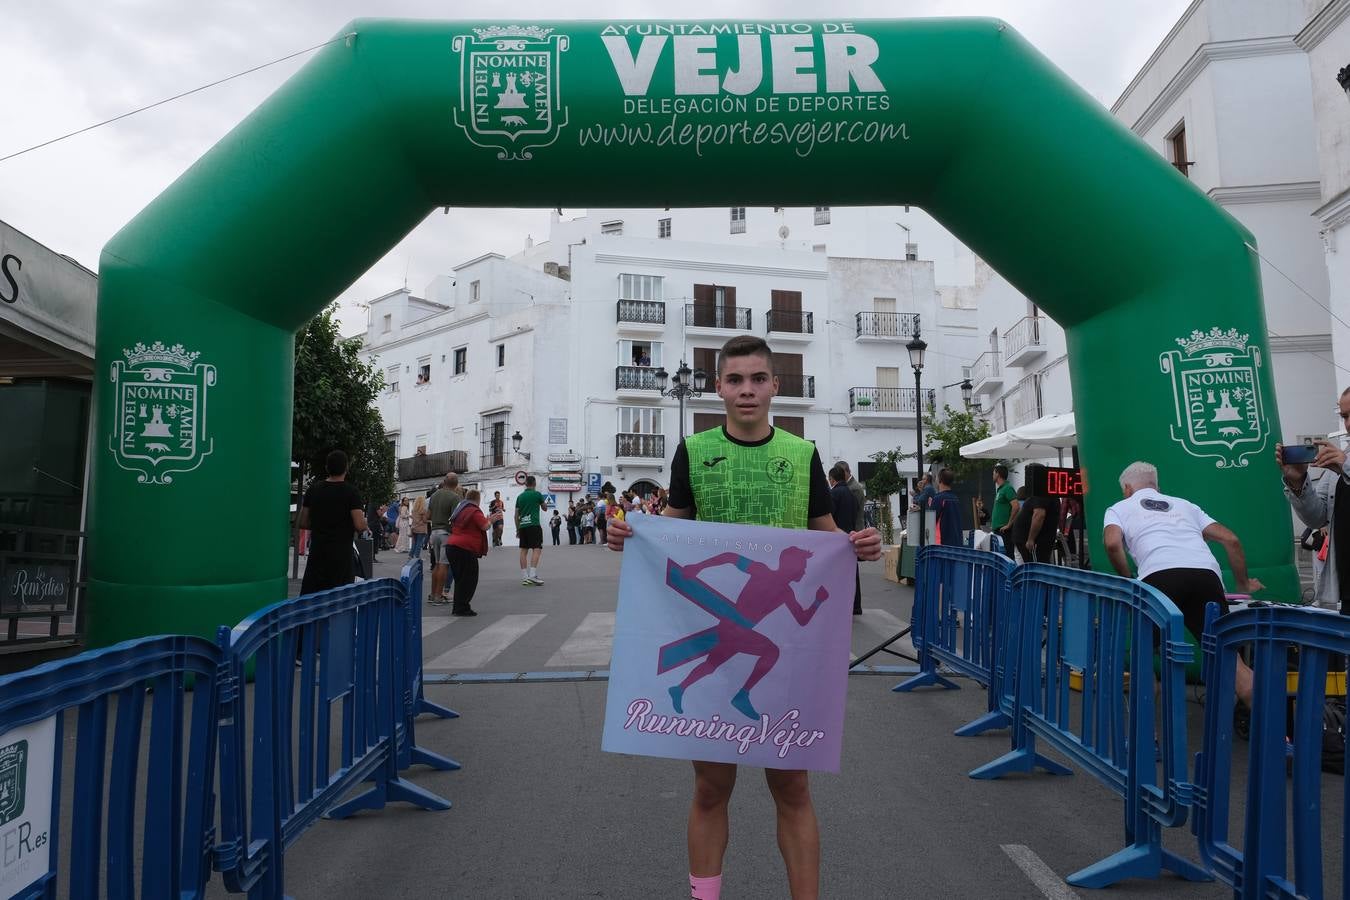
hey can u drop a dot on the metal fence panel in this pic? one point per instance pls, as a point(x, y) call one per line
point(1106, 630)
point(176, 793)
point(960, 603)
point(1279, 803)
point(414, 703)
point(339, 650)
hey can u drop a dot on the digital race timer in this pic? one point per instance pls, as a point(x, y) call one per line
point(1052, 481)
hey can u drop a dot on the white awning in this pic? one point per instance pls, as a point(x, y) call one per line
point(47, 304)
point(1044, 437)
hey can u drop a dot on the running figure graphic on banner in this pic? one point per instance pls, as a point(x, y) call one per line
point(766, 590)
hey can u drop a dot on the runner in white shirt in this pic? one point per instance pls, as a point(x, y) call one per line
point(1166, 536)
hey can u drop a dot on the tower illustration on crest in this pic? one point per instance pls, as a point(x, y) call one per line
point(511, 98)
point(156, 427)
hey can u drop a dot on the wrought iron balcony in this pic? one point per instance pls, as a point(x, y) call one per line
point(797, 386)
point(985, 373)
point(641, 446)
point(785, 322)
point(642, 312)
point(635, 378)
point(1023, 341)
point(887, 400)
point(709, 316)
point(1023, 403)
point(432, 465)
point(887, 326)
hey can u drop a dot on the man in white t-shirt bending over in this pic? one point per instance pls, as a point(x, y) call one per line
point(1166, 536)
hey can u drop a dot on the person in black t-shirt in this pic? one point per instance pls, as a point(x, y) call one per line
point(845, 512)
point(332, 512)
point(1036, 525)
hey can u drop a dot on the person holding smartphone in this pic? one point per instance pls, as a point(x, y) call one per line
point(1321, 498)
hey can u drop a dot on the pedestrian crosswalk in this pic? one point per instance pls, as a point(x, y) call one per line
point(486, 643)
point(475, 652)
point(589, 645)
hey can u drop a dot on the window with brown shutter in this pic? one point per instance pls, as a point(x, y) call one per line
point(705, 358)
point(704, 305)
point(1176, 142)
point(785, 311)
point(788, 368)
point(791, 424)
point(704, 421)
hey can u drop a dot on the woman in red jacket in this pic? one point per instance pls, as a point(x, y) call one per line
point(467, 542)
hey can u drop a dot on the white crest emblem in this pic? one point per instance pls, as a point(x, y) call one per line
point(160, 420)
point(1217, 393)
point(13, 778)
point(508, 88)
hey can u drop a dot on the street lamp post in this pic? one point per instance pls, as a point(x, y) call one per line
point(516, 440)
point(916, 348)
point(683, 385)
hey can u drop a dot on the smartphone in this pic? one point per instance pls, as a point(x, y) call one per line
point(1299, 453)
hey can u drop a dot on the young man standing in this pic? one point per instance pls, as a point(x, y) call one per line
point(332, 512)
point(1001, 520)
point(749, 472)
point(530, 530)
point(948, 508)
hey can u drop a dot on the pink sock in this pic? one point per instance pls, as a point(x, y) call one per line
point(709, 888)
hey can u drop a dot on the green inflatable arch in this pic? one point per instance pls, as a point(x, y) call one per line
point(201, 293)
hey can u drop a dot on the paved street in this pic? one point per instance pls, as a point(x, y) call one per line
point(540, 811)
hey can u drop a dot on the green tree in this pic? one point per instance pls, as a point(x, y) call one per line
point(944, 438)
point(334, 392)
point(886, 480)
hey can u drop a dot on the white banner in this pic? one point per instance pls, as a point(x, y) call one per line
point(26, 757)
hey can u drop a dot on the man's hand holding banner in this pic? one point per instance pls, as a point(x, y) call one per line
point(731, 644)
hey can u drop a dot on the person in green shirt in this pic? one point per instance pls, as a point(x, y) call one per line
point(747, 471)
point(530, 529)
point(1004, 498)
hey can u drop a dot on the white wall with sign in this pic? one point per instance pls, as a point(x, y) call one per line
point(26, 757)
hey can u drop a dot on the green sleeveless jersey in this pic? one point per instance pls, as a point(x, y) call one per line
point(766, 484)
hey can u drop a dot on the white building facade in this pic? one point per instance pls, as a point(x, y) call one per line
point(584, 321)
point(1226, 99)
point(1325, 37)
point(468, 370)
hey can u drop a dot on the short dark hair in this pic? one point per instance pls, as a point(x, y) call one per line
point(946, 476)
point(336, 464)
point(529, 481)
point(837, 473)
point(744, 345)
point(1001, 471)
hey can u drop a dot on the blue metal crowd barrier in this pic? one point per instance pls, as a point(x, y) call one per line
point(171, 805)
point(1104, 627)
point(970, 588)
point(343, 648)
point(414, 703)
point(1259, 869)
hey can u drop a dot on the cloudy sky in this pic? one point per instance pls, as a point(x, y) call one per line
point(71, 63)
